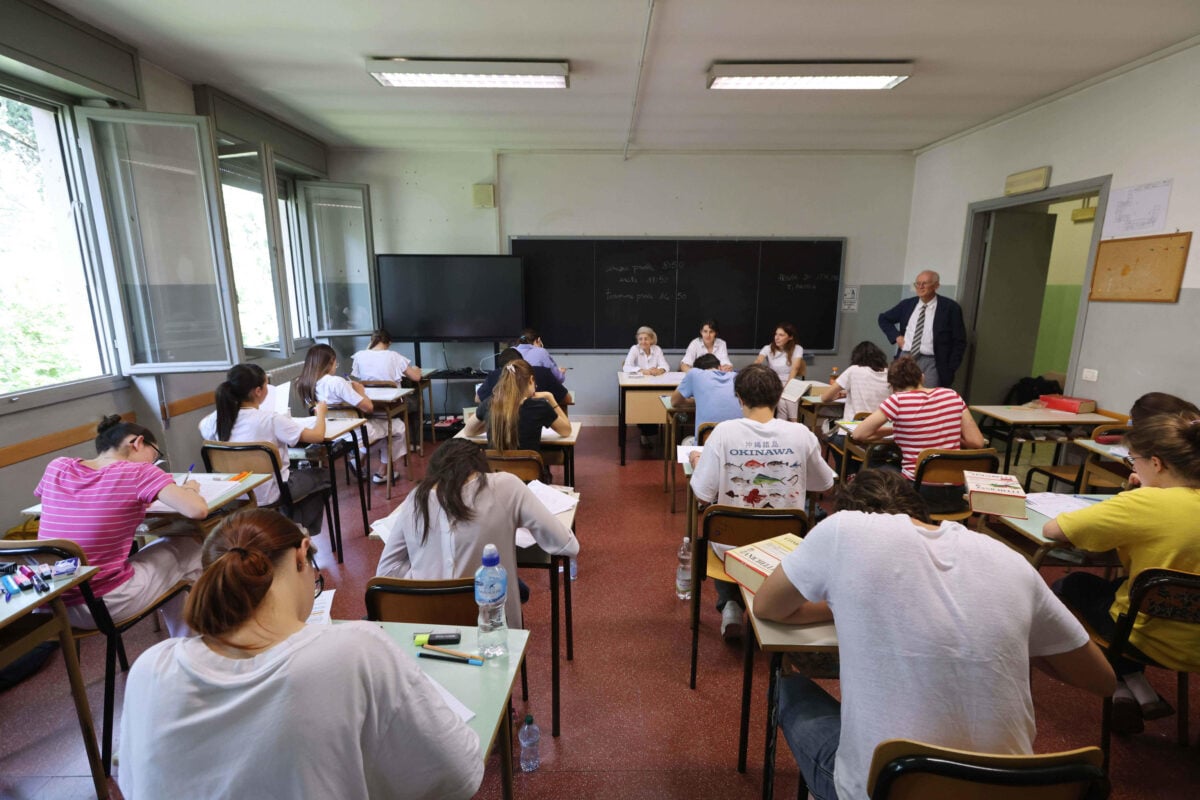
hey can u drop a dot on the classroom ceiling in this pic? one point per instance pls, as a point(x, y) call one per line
point(974, 60)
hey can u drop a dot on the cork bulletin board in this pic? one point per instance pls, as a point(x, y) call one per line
point(1141, 269)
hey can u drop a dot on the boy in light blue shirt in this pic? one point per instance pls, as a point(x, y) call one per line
point(712, 390)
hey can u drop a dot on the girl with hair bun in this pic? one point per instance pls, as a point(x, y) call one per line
point(517, 411)
point(380, 363)
point(1149, 527)
point(235, 711)
point(240, 418)
point(99, 503)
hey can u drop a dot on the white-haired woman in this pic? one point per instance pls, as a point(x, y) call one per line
point(646, 358)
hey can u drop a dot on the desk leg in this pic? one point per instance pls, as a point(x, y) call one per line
point(567, 607)
point(621, 422)
point(506, 752)
point(79, 695)
point(1008, 447)
point(391, 467)
point(429, 386)
point(747, 685)
point(335, 535)
point(554, 639)
point(768, 790)
point(363, 498)
point(672, 435)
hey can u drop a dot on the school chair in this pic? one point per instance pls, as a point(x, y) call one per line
point(902, 769)
point(833, 447)
point(704, 431)
point(1082, 477)
point(51, 550)
point(263, 458)
point(1165, 594)
point(943, 467)
point(733, 526)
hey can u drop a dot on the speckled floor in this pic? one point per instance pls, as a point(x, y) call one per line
point(631, 728)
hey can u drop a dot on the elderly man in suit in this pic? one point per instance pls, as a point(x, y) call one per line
point(930, 328)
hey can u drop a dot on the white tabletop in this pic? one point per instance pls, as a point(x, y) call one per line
point(1023, 415)
point(386, 394)
point(781, 637)
point(637, 380)
point(1112, 452)
point(548, 436)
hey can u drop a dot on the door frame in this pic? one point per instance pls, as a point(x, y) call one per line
point(970, 283)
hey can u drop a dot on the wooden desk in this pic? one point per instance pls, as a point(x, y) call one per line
point(669, 455)
point(484, 690)
point(774, 638)
point(1012, 416)
point(21, 630)
point(422, 388)
point(1036, 547)
point(638, 401)
point(550, 439)
point(811, 406)
point(389, 404)
point(245, 486)
point(859, 451)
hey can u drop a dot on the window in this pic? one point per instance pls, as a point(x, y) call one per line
point(246, 225)
point(50, 320)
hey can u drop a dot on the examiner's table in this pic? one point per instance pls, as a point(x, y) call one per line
point(639, 403)
point(1012, 416)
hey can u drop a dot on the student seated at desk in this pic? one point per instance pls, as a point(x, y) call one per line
point(263, 705)
point(784, 354)
point(758, 461)
point(533, 351)
point(936, 626)
point(240, 418)
point(646, 358)
point(707, 343)
point(921, 419)
point(1150, 527)
point(379, 363)
point(862, 386)
point(544, 378)
point(712, 390)
point(99, 503)
point(320, 383)
point(517, 412)
point(1148, 405)
point(441, 528)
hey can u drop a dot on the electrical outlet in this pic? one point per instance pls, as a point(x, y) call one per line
point(1090, 375)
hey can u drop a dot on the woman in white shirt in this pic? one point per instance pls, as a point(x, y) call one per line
point(240, 418)
point(783, 354)
point(706, 342)
point(379, 363)
point(319, 382)
point(646, 357)
point(863, 385)
point(238, 710)
point(440, 530)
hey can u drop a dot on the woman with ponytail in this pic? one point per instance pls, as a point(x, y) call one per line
point(240, 418)
point(1149, 527)
point(262, 705)
point(517, 412)
point(99, 503)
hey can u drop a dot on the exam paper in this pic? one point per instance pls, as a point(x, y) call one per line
point(464, 713)
point(322, 608)
point(684, 452)
point(554, 500)
point(211, 487)
point(1052, 504)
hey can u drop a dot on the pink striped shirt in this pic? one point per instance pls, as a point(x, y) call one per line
point(99, 509)
point(923, 420)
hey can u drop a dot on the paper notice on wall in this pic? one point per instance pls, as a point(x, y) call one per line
point(1137, 210)
point(849, 299)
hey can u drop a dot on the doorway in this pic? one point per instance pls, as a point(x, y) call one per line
point(1026, 263)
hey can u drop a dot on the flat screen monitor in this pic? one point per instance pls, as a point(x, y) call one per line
point(447, 298)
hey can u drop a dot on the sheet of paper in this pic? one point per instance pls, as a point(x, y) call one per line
point(385, 394)
point(1118, 451)
point(795, 389)
point(524, 538)
point(322, 607)
point(1052, 504)
point(557, 502)
point(210, 489)
point(1137, 210)
point(683, 453)
point(464, 713)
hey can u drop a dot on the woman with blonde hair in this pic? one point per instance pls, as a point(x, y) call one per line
point(517, 412)
point(646, 357)
point(235, 711)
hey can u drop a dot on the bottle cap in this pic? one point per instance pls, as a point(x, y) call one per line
point(687, 540)
point(529, 719)
point(491, 556)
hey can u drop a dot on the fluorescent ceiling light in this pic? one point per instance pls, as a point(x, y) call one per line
point(807, 75)
point(479, 74)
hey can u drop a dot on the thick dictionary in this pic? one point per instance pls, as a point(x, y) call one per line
point(993, 493)
point(750, 564)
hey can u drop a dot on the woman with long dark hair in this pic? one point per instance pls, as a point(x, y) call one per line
point(262, 705)
point(240, 418)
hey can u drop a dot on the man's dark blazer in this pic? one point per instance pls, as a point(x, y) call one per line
point(543, 381)
point(949, 334)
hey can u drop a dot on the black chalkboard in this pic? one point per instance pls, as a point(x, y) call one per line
point(595, 293)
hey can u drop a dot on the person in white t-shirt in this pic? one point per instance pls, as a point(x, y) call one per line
point(261, 704)
point(319, 382)
point(862, 386)
point(378, 363)
point(786, 357)
point(937, 627)
point(240, 418)
point(706, 342)
point(757, 461)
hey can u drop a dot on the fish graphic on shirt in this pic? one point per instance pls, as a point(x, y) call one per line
point(765, 480)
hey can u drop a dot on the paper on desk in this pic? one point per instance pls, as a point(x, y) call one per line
point(684, 452)
point(1118, 451)
point(1052, 504)
point(210, 490)
point(554, 500)
point(456, 705)
point(795, 389)
point(524, 538)
point(321, 609)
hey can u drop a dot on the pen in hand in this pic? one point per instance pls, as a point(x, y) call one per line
point(188, 477)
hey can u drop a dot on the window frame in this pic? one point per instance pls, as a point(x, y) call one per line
point(309, 258)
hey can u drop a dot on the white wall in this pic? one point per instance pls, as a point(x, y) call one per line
point(1138, 127)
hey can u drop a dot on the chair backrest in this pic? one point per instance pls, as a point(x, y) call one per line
point(702, 433)
point(1162, 593)
point(946, 466)
point(906, 770)
point(43, 549)
point(448, 602)
point(736, 526)
point(525, 464)
point(260, 457)
point(377, 384)
point(1114, 427)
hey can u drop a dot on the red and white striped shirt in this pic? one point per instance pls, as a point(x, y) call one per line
point(923, 420)
point(99, 509)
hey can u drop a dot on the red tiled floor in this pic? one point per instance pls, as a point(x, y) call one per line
point(631, 728)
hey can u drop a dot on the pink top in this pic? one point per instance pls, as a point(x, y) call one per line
point(100, 510)
point(923, 420)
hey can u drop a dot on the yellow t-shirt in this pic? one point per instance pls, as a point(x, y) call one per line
point(1149, 528)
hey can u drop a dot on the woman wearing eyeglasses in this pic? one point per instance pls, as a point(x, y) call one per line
point(98, 503)
point(1150, 527)
point(262, 705)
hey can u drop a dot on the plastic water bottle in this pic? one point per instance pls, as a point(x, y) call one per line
point(683, 574)
point(574, 568)
point(491, 591)
point(833, 373)
point(528, 736)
